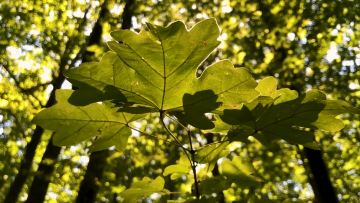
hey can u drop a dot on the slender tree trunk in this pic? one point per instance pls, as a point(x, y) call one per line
point(91, 183)
point(322, 183)
point(318, 175)
point(26, 162)
point(215, 171)
point(42, 177)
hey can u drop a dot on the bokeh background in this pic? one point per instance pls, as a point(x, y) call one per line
point(305, 44)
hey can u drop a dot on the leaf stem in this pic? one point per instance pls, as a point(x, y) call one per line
point(193, 164)
point(212, 144)
point(178, 122)
point(192, 152)
point(175, 143)
point(172, 135)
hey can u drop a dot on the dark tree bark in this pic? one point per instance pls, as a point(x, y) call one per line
point(91, 183)
point(42, 177)
point(215, 171)
point(26, 162)
point(322, 183)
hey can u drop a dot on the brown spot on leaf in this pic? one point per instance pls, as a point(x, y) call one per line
point(135, 84)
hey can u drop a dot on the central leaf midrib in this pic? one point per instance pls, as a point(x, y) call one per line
point(142, 58)
point(138, 71)
point(183, 63)
point(163, 52)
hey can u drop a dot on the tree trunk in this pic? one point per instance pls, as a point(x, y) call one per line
point(26, 162)
point(40, 184)
point(90, 185)
point(42, 177)
point(215, 171)
point(321, 183)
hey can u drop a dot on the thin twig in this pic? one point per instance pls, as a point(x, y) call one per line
point(22, 89)
point(172, 135)
point(185, 150)
point(224, 141)
point(212, 144)
point(193, 165)
point(159, 138)
point(18, 123)
point(178, 122)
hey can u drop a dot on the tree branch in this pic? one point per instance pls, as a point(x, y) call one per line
point(25, 91)
point(153, 136)
point(193, 165)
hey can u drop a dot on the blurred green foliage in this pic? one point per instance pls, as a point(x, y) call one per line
point(305, 44)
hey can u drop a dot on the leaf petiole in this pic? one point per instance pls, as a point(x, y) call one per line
point(175, 143)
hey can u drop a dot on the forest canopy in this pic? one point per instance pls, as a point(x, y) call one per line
point(172, 133)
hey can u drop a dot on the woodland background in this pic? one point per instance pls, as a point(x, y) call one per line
point(305, 44)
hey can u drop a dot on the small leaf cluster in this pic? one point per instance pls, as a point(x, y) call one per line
point(155, 71)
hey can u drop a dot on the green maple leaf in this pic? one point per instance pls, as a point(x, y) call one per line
point(210, 154)
point(240, 172)
point(178, 170)
point(74, 124)
point(281, 114)
point(215, 184)
point(155, 71)
point(143, 188)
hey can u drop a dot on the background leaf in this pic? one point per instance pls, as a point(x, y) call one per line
point(239, 172)
point(144, 188)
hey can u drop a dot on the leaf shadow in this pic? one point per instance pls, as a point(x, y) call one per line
point(194, 108)
point(88, 94)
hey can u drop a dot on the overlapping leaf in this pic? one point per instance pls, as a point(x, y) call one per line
point(74, 124)
point(180, 169)
point(210, 154)
point(143, 188)
point(156, 69)
point(207, 155)
point(237, 171)
point(240, 172)
point(280, 114)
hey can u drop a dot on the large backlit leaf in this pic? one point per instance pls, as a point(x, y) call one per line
point(156, 69)
point(74, 124)
point(281, 114)
point(143, 188)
